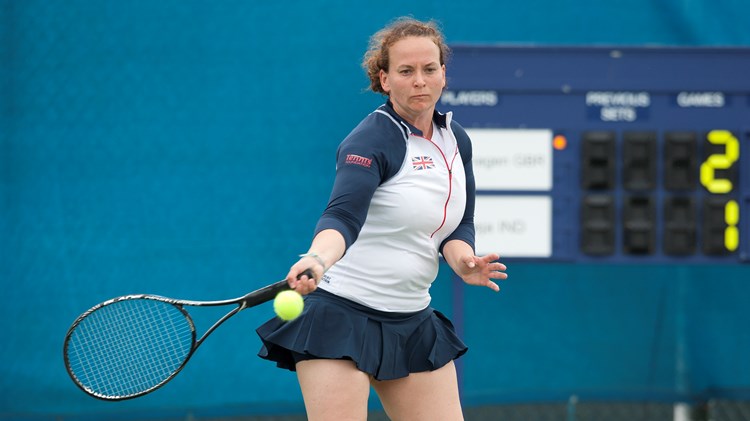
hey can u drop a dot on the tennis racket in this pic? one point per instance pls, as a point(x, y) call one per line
point(129, 346)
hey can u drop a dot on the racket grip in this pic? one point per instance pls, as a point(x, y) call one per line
point(269, 293)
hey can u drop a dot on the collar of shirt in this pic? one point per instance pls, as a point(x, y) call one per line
point(437, 117)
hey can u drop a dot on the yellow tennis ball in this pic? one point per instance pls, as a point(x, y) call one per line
point(288, 305)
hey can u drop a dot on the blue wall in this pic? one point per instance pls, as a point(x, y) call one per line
point(186, 148)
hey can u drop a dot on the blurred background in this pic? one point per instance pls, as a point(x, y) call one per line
point(186, 148)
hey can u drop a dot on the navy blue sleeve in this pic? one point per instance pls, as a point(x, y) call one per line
point(465, 230)
point(370, 155)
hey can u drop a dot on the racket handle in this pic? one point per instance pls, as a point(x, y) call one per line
point(307, 272)
point(269, 292)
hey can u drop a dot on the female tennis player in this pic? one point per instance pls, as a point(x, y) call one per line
point(403, 194)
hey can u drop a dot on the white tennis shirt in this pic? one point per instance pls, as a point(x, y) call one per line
point(413, 192)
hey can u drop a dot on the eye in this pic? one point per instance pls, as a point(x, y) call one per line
point(404, 72)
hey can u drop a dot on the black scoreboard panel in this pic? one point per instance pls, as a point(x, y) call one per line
point(639, 152)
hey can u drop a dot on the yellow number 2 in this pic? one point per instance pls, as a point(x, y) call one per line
point(720, 161)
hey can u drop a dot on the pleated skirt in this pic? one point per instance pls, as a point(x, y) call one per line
point(383, 344)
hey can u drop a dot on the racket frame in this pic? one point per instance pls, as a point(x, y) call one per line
point(251, 299)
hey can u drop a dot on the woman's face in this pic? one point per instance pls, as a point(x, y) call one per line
point(415, 79)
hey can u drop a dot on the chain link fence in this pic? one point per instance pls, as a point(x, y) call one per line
point(713, 410)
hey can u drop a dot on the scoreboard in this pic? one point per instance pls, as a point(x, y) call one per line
point(607, 154)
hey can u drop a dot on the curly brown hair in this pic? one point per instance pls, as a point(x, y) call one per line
point(377, 56)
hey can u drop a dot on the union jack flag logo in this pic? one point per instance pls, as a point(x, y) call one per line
point(422, 163)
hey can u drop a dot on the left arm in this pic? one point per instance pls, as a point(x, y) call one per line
point(458, 248)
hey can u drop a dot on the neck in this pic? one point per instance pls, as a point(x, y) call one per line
point(426, 129)
point(422, 121)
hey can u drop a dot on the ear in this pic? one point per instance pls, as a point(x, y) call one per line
point(384, 81)
point(444, 77)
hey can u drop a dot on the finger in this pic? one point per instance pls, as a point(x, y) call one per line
point(498, 266)
point(493, 286)
point(307, 274)
point(306, 285)
point(490, 257)
point(291, 278)
point(308, 279)
point(469, 261)
point(498, 275)
point(296, 275)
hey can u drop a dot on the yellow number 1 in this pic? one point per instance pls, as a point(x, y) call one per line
point(732, 218)
point(720, 161)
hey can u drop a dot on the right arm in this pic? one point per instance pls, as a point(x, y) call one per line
point(366, 158)
point(329, 246)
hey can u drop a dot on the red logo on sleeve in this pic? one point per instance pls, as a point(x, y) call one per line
point(358, 160)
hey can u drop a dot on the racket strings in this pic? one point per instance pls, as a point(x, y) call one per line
point(129, 347)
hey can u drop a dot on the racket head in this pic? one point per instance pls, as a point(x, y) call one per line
point(128, 346)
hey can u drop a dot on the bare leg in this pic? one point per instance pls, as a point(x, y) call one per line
point(427, 396)
point(333, 390)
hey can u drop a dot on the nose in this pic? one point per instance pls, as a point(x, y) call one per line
point(419, 80)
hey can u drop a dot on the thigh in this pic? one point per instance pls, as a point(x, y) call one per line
point(333, 390)
point(428, 396)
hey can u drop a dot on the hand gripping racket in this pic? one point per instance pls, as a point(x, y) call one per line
point(129, 346)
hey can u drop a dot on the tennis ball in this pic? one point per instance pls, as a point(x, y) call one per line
point(288, 305)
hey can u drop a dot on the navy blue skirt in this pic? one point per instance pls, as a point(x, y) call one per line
point(385, 345)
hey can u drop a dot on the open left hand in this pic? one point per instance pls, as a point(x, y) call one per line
point(476, 270)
